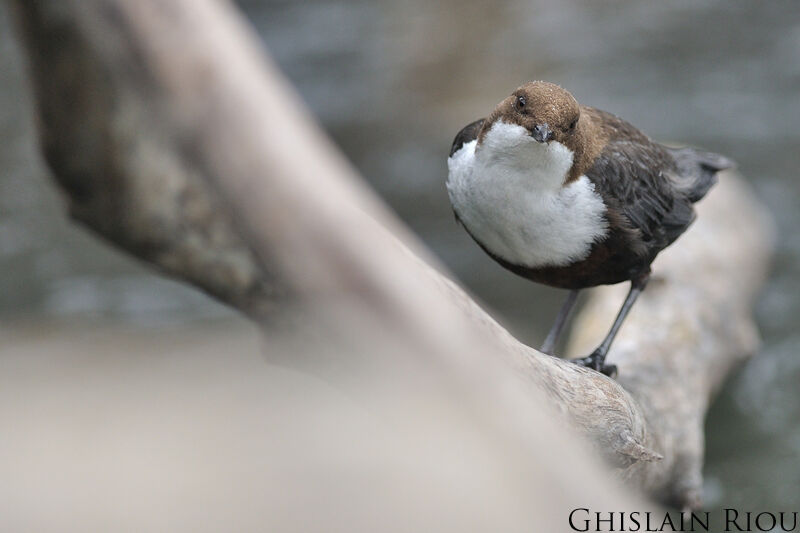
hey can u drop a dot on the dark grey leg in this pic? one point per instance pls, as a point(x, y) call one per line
point(597, 359)
point(561, 320)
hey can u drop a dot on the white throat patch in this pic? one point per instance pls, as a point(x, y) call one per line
point(510, 196)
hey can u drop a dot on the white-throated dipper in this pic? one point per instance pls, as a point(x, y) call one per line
point(572, 196)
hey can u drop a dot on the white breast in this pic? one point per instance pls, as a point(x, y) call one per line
point(510, 197)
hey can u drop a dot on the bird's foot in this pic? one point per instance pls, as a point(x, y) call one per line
point(596, 361)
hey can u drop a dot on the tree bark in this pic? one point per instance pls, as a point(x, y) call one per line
point(176, 139)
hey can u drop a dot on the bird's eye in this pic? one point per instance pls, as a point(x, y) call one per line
point(521, 103)
point(573, 124)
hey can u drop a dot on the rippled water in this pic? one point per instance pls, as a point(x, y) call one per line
point(393, 81)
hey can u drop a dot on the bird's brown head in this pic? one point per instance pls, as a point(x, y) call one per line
point(545, 110)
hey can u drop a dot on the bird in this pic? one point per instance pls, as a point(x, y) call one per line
point(573, 197)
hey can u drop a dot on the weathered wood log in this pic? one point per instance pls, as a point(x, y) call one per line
point(176, 139)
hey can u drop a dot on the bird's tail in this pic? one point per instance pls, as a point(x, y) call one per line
point(697, 171)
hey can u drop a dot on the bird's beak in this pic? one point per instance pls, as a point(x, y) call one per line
point(541, 133)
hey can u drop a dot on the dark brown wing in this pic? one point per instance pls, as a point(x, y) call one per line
point(467, 134)
point(650, 185)
point(634, 179)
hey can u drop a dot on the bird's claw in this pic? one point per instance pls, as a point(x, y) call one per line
point(595, 361)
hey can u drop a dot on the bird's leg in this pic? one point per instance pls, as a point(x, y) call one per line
point(596, 360)
point(561, 320)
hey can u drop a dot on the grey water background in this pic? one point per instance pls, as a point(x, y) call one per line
point(392, 82)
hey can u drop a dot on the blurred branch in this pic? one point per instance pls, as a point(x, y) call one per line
point(177, 140)
point(124, 176)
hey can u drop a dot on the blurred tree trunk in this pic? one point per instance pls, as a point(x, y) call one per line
point(176, 139)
